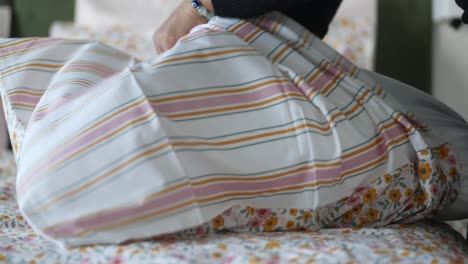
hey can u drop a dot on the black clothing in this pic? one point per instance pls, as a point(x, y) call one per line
point(315, 15)
point(464, 5)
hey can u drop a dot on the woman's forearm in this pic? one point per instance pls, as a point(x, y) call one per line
point(208, 4)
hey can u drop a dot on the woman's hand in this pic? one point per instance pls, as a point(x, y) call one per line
point(178, 25)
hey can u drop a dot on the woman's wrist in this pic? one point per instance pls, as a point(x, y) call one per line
point(179, 24)
point(192, 13)
point(208, 5)
point(201, 9)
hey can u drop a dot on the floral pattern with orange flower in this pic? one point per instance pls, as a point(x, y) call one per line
point(425, 152)
point(348, 216)
point(443, 152)
point(395, 196)
point(420, 199)
point(218, 222)
point(425, 171)
point(357, 210)
point(409, 192)
point(369, 196)
point(388, 178)
point(293, 212)
point(273, 244)
point(270, 224)
point(355, 245)
point(307, 216)
point(250, 210)
point(363, 221)
point(291, 225)
point(453, 172)
point(373, 214)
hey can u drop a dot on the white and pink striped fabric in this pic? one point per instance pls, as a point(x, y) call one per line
point(239, 116)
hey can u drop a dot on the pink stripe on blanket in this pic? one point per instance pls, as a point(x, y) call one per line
point(227, 100)
point(29, 45)
point(21, 99)
point(102, 71)
point(245, 30)
point(325, 78)
point(377, 151)
point(82, 142)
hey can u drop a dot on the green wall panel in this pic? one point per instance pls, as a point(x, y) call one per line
point(404, 46)
point(32, 18)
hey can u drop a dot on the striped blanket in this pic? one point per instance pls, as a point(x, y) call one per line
point(242, 126)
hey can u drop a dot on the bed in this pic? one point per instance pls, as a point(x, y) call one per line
point(421, 242)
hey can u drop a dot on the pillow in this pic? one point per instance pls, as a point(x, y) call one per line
point(354, 38)
point(137, 44)
point(353, 32)
point(243, 126)
point(137, 15)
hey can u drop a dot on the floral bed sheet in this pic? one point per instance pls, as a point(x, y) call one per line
point(423, 242)
point(352, 37)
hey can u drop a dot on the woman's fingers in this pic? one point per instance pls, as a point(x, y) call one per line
point(176, 26)
point(163, 38)
point(156, 42)
point(166, 38)
point(160, 42)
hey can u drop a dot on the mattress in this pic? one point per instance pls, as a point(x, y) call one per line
point(422, 242)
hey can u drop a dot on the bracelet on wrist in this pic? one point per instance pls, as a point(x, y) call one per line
point(201, 10)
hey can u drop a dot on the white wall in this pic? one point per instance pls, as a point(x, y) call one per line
point(445, 9)
point(5, 19)
point(450, 66)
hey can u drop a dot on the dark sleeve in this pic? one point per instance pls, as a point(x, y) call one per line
point(315, 15)
point(464, 5)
